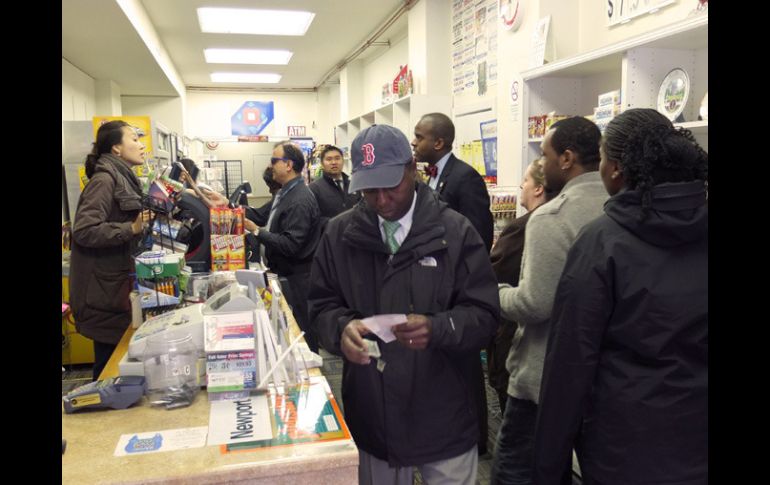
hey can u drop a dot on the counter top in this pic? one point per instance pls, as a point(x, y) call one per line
point(92, 437)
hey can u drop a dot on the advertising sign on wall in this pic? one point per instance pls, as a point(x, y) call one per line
point(251, 118)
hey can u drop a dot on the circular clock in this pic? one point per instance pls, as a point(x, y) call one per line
point(511, 13)
point(673, 94)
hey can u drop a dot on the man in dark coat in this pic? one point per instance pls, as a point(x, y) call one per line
point(290, 236)
point(331, 190)
point(461, 186)
point(404, 252)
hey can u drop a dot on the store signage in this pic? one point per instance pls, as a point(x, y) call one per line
point(251, 118)
point(250, 138)
point(622, 11)
point(296, 130)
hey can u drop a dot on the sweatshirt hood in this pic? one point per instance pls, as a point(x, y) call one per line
point(678, 213)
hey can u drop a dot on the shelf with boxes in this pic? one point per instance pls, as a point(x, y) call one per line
point(630, 71)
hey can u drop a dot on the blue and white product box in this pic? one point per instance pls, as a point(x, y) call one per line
point(231, 371)
point(608, 99)
point(606, 112)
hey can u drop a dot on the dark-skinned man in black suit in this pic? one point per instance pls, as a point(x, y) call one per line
point(457, 183)
point(462, 188)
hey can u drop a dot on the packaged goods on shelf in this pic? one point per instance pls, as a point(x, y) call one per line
point(608, 99)
point(550, 119)
point(606, 112)
point(538, 125)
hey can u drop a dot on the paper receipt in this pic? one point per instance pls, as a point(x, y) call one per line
point(381, 325)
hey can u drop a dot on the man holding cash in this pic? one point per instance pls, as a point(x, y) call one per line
point(408, 400)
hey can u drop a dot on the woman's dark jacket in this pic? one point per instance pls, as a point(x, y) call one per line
point(102, 247)
point(626, 369)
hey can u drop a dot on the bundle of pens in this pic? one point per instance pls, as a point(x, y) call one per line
point(228, 246)
point(157, 274)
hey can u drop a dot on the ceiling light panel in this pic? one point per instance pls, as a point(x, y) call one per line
point(249, 21)
point(246, 56)
point(245, 77)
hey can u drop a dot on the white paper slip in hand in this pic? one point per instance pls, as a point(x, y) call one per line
point(381, 325)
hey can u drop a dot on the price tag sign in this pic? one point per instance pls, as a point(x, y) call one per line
point(622, 11)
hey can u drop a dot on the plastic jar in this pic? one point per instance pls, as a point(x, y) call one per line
point(170, 370)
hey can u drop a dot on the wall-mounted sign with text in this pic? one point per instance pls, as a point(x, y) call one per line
point(622, 11)
point(296, 130)
point(261, 138)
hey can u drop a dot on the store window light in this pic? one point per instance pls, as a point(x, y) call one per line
point(245, 77)
point(246, 56)
point(250, 21)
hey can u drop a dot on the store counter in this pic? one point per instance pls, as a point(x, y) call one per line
point(92, 438)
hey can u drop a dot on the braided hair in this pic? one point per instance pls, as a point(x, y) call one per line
point(651, 151)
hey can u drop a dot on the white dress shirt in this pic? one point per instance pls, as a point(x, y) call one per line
point(433, 181)
point(406, 224)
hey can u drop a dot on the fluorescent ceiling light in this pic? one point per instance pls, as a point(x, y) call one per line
point(246, 56)
point(245, 77)
point(250, 21)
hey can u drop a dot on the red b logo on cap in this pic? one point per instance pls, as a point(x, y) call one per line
point(368, 150)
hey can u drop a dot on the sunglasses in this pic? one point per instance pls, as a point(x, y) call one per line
point(274, 160)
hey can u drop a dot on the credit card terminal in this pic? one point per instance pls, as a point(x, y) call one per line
point(114, 393)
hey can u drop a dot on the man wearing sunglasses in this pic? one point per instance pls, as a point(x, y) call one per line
point(291, 234)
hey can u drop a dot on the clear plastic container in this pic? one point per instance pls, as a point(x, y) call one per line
point(170, 370)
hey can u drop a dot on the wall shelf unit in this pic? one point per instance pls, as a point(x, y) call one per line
point(403, 113)
point(636, 66)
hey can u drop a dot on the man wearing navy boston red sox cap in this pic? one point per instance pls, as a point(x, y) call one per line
point(408, 396)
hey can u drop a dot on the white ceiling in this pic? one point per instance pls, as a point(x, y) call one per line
point(98, 39)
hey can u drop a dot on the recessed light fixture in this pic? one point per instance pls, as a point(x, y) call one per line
point(245, 77)
point(246, 56)
point(250, 21)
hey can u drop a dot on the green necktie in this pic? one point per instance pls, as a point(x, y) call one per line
point(390, 228)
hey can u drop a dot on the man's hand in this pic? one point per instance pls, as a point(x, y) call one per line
point(415, 333)
point(137, 227)
point(215, 198)
point(250, 226)
point(352, 343)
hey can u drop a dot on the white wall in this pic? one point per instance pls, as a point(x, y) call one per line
point(78, 93)
point(166, 110)
point(328, 112)
point(595, 33)
point(207, 115)
point(382, 69)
